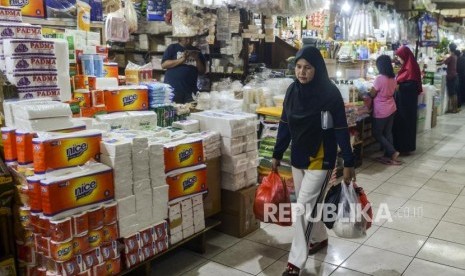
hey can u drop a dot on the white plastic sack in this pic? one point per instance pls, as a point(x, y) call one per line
point(349, 223)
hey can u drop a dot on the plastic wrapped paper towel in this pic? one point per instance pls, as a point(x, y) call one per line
point(229, 124)
point(116, 120)
point(142, 119)
point(45, 124)
point(187, 125)
point(29, 110)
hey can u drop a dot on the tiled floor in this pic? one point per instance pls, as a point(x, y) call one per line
point(426, 236)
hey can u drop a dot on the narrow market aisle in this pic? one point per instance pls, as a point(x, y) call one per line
point(426, 236)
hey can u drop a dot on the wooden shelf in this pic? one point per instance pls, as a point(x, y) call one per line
point(146, 265)
point(58, 22)
point(134, 51)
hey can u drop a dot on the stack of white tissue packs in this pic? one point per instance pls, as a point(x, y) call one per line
point(186, 218)
point(117, 153)
point(211, 143)
point(239, 146)
point(40, 115)
point(39, 68)
point(140, 187)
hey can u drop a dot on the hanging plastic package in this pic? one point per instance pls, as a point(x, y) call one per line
point(429, 36)
point(83, 16)
point(131, 15)
point(156, 10)
point(60, 8)
point(116, 27)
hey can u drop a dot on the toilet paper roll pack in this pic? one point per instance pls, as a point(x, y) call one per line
point(66, 150)
point(187, 183)
point(24, 147)
point(65, 194)
point(9, 144)
point(126, 99)
point(184, 153)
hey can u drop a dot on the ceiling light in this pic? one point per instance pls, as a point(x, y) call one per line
point(346, 7)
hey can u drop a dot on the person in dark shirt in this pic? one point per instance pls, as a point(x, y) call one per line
point(183, 63)
point(451, 78)
point(313, 148)
point(461, 75)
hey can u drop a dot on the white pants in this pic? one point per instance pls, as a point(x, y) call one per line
point(310, 189)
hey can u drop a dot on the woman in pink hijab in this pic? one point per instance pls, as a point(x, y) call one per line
point(409, 87)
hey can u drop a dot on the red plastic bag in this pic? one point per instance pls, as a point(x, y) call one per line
point(364, 202)
point(272, 202)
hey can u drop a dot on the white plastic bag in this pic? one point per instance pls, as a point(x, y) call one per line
point(349, 223)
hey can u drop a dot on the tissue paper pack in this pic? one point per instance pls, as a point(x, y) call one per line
point(116, 147)
point(20, 47)
point(129, 98)
point(191, 181)
point(187, 219)
point(233, 182)
point(53, 93)
point(126, 206)
point(65, 150)
point(142, 119)
point(22, 64)
point(24, 152)
point(143, 200)
point(120, 162)
point(128, 225)
point(123, 189)
point(118, 120)
point(142, 186)
point(33, 80)
point(46, 124)
point(105, 83)
point(20, 30)
point(28, 8)
point(77, 125)
point(187, 232)
point(234, 164)
point(187, 125)
point(229, 124)
point(64, 195)
point(183, 153)
point(253, 158)
point(233, 146)
point(39, 109)
point(160, 197)
point(10, 14)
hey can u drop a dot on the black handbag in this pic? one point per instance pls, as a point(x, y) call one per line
point(333, 197)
